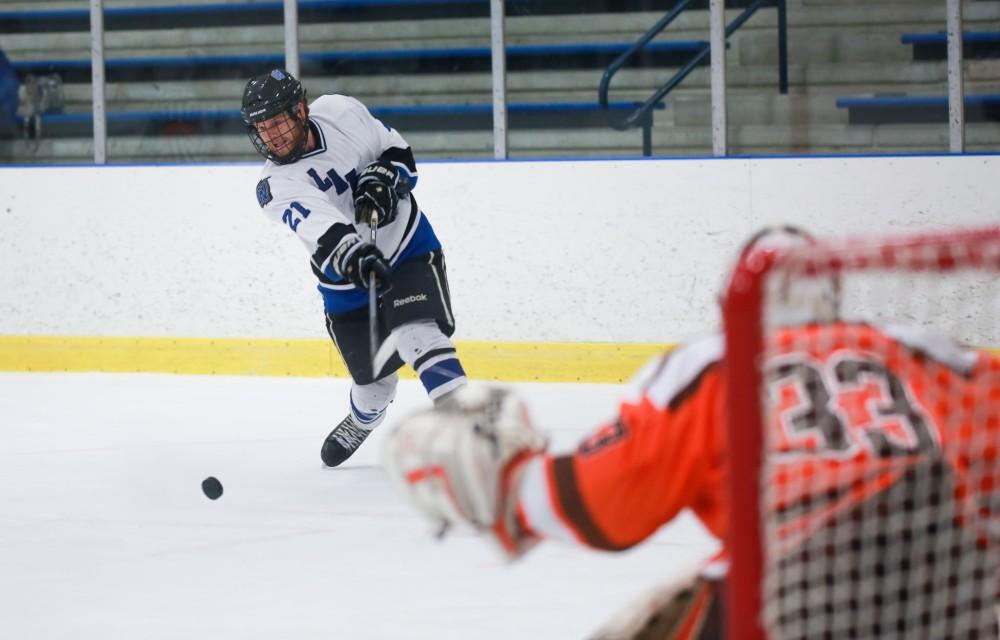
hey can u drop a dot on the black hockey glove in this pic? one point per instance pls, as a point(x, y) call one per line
point(378, 190)
point(357, 260)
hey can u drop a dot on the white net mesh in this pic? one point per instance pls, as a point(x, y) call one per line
point(881, 479)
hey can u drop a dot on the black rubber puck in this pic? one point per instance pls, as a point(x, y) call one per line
point(212, 487)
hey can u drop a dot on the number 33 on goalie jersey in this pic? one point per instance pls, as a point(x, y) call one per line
point(853, 406)
point(313, 197)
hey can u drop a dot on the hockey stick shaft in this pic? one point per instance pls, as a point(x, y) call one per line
point(373, 298)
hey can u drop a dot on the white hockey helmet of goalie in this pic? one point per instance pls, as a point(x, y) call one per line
point(459, 462)
point(793, 298)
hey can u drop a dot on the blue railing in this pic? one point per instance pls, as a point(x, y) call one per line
point(642, 115)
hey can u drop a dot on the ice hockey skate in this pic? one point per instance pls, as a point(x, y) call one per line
point(343, 441)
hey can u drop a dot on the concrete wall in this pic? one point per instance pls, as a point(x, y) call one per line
point(597, 251)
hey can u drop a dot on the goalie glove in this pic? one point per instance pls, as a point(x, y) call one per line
point(461, 461)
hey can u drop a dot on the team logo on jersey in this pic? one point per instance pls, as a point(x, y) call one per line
point(603, 438)
point(333, 179)
point(264, 192)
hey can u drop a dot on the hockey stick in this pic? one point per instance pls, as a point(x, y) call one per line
point(386, 351)
point(380, 354)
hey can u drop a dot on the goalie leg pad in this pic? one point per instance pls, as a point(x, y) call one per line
point(689, 607)
point(459, 462)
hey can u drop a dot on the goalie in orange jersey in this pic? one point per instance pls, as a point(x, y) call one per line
point(857, 411)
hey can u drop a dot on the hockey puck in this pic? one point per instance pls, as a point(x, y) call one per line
point(212, 487)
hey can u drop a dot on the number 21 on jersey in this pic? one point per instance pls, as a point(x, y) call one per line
point(294, 214)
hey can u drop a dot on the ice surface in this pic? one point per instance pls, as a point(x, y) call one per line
point(104, 531)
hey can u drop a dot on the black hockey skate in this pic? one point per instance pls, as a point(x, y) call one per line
point(343, 441)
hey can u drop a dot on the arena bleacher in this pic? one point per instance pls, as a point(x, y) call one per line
point(902, 109)
point(934, 46)
point(175, 68)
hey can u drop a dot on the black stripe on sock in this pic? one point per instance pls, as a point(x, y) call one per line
point(431, 354)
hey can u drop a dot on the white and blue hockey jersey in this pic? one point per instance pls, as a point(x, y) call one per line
point(314, 196)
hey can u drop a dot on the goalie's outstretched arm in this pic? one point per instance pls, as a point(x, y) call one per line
point(478, 460)
point(627, 479)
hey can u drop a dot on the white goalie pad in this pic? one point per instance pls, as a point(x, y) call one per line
point(681, 608)
point(458, 462)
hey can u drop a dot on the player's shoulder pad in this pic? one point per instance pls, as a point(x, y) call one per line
point(666, 376)
point(264, 195)
point(938, 347)
point(333, 104)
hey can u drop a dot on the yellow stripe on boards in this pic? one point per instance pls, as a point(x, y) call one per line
point(169, 355)
point(555, 361)
point(503, 361)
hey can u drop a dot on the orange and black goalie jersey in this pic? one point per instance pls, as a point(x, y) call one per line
point(854, 410)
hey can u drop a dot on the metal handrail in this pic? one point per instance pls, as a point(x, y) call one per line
point(643, 112)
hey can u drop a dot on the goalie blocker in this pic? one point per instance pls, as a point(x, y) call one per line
point(460, 463)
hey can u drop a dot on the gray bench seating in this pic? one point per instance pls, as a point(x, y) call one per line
point(910, 109)
point(310, 11)
point(554, 115)
point(934, 46)
point(372, 62)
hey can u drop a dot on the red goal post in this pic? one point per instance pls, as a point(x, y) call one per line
point(899, 264)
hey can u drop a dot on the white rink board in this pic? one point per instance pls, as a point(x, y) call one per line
point(596, 251)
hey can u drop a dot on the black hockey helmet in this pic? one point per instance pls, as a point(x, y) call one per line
point(266, 96)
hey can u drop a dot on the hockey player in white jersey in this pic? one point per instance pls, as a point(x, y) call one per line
point(330, 165)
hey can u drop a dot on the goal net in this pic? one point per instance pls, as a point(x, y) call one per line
point(863, 409)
